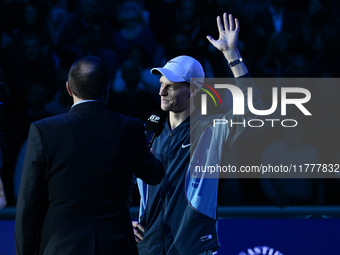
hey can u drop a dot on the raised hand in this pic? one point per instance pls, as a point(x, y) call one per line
point(227, 43)
point(228, 33)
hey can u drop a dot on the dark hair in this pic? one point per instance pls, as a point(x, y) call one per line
point(89, 78)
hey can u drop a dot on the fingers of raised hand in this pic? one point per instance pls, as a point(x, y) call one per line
point(229, 24)
point(219, 24)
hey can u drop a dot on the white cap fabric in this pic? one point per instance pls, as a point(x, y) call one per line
point(182, 68)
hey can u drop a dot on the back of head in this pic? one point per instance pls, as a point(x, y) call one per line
point(89, 78)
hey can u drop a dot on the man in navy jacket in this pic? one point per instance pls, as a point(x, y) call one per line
point(178, 216)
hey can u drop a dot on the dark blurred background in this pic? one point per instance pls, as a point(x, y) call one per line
point(39, 40)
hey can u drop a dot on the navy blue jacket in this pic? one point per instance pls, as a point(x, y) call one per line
point(179, 214)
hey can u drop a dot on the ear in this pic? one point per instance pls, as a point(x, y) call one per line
point(69, 89)
point(193, 90)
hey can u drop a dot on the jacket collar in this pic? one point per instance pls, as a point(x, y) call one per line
point(88, 105)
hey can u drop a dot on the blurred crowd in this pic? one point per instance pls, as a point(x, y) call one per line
point(39, 40)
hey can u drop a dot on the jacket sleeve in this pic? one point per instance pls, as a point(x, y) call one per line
point(32, 198)
point(145, 165)
point(243, 83)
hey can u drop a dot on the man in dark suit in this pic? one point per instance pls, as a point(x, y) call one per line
point(73, 196)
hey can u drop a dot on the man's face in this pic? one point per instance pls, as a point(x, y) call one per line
point(175, 96)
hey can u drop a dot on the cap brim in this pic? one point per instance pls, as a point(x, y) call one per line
point(170, 75)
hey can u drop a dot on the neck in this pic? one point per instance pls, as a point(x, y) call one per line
point(176, 118)
point(77, 99)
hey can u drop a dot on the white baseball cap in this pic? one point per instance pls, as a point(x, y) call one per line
point(182, 68)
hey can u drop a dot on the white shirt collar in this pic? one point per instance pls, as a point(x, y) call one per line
point(84, 101)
